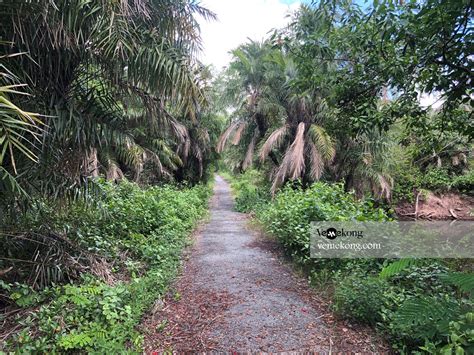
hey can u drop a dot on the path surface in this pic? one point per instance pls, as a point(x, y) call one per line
point(236, 294)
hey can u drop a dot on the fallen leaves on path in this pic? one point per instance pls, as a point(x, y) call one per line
point(181, 322)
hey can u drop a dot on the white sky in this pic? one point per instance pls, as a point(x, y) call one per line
point(238, 20)
point(434, 100)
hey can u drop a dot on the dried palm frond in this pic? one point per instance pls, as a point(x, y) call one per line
point(114, 173)
point(249, 155)
point(225, 136)
point(386, 186)
point(91, 163)
point(273, 141)
point(293, 163)
point(317, 163)
point(280, 174)
point(296, 153)
point(238, 133)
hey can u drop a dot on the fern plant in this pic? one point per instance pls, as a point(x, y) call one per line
point(396, 267)
point(440, 320)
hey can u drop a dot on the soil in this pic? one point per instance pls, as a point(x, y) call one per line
point(237, 294)
point(438, 207)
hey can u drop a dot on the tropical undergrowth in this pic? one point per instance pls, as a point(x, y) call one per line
point(422, 305)
point(78, 276)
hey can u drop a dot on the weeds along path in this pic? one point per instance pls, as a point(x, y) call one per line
point(237, 294)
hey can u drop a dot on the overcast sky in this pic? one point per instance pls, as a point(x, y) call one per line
point(242, 19)
point(237, 21)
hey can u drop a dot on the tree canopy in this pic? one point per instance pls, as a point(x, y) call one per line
point(334, 92)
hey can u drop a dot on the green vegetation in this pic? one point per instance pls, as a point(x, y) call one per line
point(121, 254)
point(322, 120)
point(327, 112)
point(93, 95)
point(335, 96)
point(251, 190)
point(417, 304)
point(116, 89)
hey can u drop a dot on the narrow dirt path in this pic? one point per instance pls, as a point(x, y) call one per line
point(236, 294)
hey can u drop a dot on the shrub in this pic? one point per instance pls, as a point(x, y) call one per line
point(464, 183)
point(460, 337)
point(289, 215)
point(436, 179)
point(418, 303)
point(250, 200)
point(360, 299)
point(406, 178)
point(251, 190)
point(424, 301)
point(139, 230)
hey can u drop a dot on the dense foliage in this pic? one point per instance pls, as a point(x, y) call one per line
point(97, 93)
point(337, 96)
point(121, 254)
point(94, 91)
point(115, 88)
point(289, 215)
point(90, 89)
point(417, 304)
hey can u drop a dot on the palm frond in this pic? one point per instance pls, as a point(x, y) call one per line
point(316, 161)
point(225, 136)
point(273, 141)
point(250, 152)
point(322, 141)
point(238, 133)
point(296, 153)
point(293, 161)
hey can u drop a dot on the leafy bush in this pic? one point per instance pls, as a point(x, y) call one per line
point(411, 302)
point(460, 337)
point(250, 200)
point(251, 190)
point(289, 215)
point(141, 233)
point(464, 183)
point(424, 303)
point(436, 179)
point(417, 307)
point(360, 298)
point(405, 181)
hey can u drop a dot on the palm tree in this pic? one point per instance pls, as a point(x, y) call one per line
point(111, 79)
point(305, 146)
point(247, 91)
point(286, 123)
point(364, 163)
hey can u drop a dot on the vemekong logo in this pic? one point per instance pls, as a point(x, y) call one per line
point(333, 233)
